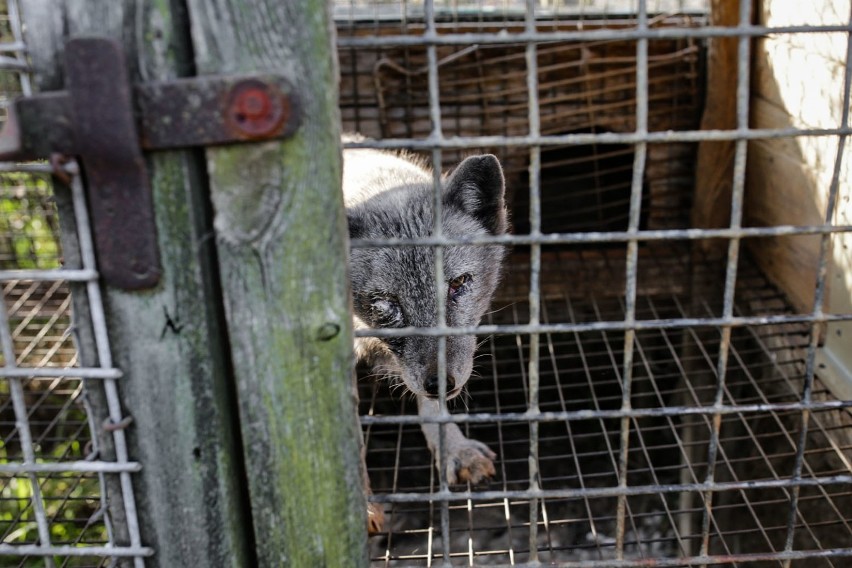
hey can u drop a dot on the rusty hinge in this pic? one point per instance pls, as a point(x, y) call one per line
point(107, 122)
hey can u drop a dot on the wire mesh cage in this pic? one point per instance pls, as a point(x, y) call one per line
point(660, 375)
point(65, 491)
point(650, 381)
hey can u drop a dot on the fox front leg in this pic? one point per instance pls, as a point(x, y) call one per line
point(467, 460)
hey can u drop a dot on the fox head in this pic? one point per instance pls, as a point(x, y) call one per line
point(395, 287)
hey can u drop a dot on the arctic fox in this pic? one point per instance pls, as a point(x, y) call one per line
point(391, 196)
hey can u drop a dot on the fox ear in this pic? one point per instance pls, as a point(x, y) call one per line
point(477, 187)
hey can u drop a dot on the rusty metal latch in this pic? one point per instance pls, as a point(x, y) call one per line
point(107, 122)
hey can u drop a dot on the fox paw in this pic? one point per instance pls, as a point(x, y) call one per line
point(470, 461)
point(375, 518)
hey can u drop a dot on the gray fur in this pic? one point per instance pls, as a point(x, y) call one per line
point(389, 196)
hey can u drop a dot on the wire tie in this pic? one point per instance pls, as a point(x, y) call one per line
point(111, 426)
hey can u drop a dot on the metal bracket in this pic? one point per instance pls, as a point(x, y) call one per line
point(107, 123)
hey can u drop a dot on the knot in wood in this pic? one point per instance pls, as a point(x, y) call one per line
point(328, 331)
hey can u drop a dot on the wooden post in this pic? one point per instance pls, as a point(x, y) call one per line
point(281, 234)
point(714, 171)
point(176, 384)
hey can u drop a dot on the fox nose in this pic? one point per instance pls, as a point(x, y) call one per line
point(431, 384)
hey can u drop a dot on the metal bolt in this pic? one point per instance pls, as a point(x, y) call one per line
point(256, 109)
point(254, 103)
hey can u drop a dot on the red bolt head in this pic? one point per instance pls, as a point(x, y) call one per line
point(256, 110)
point(253, 103)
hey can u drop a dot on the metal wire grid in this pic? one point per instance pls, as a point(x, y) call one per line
point(53, 478)
point(584, 87)
point(702, 483)
point(375, 10)
point(50, 452)
point(581, 372)
point(14, 79)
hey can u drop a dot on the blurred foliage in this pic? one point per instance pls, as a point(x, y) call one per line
point(29, 229)
point(71, 502)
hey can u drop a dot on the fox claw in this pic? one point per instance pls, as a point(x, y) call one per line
point(471, 461)
point(375, 518)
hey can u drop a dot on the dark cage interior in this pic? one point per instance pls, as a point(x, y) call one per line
point(583, 87)
point(590, 87)
point(582, 371)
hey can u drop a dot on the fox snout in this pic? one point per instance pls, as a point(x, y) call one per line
point(418, 363)
point(425, 382)
point(431, 385)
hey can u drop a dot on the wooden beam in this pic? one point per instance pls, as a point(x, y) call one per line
point(797, 83)
point(714, 172)
point(281, 234)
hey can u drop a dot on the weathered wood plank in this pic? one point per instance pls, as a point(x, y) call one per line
point(175, 385)
point(798, 83)
point(281, 233)
point(781, 192)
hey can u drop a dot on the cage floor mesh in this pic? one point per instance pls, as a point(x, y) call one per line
point(582, 371)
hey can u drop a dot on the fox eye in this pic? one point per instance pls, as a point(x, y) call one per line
point(458, 286)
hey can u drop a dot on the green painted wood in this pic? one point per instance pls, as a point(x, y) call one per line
point(190, 493)
point(281, 235)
